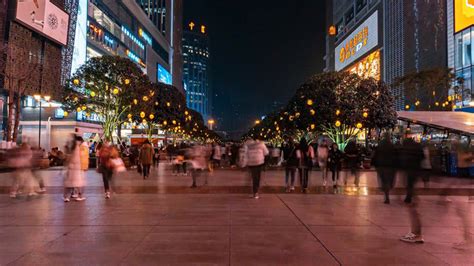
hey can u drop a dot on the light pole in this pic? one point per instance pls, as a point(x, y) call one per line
point(211, 123)
point(39, 98)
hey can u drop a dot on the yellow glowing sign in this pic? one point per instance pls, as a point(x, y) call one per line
point(332, 30)
point(368, 67)
point(354, 45)
point(191, 25)
point(203, 29)
point(463, 14)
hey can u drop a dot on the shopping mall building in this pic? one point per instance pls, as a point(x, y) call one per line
point(386, 39)
point(147, 32)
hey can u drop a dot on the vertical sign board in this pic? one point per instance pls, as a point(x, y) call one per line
point(80, 40)
point(463, 14)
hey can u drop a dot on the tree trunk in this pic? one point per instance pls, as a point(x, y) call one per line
point(17, 118)
point(10, 114)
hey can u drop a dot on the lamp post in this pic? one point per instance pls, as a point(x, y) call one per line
point(39, 98)
point(211, 123)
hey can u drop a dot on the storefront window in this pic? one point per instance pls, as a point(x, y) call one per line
point(466, 48)
point(458, 51)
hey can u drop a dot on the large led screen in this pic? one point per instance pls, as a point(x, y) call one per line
point(368, 67)
point(45, 18)
point(164, 75)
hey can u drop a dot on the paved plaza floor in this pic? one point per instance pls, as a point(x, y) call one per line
point(218, 225)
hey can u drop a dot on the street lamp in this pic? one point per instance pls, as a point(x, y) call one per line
point(39, 98)
point(211, 123)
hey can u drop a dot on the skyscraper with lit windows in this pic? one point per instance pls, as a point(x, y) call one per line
point(196, 72)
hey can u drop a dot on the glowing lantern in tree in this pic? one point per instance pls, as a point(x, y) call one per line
point(309, 102)
point(83, 108)
point(165, 123)
point(92, 94)
point(129, 115)
point(359, 125)
point(156, 103)
point(313, 126)
point(338, 112)
point(365, 114)
point(66, 113)
point(135, 101)
point(145, 98)
point(168, 104)
point(338, 123)
point(174, 122)
point(116, 91)
point(151, 116)
point(79, 109)
point(142, 114)
point(127, 81)
point(76, 82)
point(312, 112)
point(407, 106)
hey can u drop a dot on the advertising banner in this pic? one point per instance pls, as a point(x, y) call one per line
point(44, 17)
point(363, 39)
point(463, 14)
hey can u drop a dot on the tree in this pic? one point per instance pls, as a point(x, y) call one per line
point(108, 87)
point(19, 66)
point(427, 89)
point(335, 103)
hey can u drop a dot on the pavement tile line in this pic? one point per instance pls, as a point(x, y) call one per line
point(309, 230)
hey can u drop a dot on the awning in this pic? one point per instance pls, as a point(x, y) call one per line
point(455, 122)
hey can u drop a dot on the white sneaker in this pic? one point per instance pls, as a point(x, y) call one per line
point(80, 199)
point(41, 190)
point(292, 189)
point(412, 238)
point(74, 196)
point(107, 195)
point(324, 183)
point(67, 200)
point(256, 196)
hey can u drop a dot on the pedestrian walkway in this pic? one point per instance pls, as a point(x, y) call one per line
point(187, 229)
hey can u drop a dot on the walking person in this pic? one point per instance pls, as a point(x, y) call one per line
point(146, 158)
point(74, 179)
point(305, 154)
point(106, 168)
point(20, 159)
point(352, 155)
point(385, 162)
point(256, 152)
point(323, 153)
point(291, 163)
point(335, 163)
point(198, 158)
point(216, 156)
point(411, 155)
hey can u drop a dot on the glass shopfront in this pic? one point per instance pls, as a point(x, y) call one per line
point(464, 66)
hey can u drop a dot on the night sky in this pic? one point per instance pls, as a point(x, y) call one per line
point(261, 51)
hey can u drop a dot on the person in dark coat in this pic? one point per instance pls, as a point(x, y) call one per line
point(385, 162)
point(291, 163)
point(411, 155)
point(335, 163)
point(352, 156)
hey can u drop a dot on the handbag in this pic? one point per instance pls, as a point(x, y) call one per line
point(117, 165)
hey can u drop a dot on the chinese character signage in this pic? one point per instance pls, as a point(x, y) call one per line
point(363, 39)
point(463, 14)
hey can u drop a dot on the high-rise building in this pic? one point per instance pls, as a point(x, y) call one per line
point(386, 39)
point(196, 69)
point(143, 31)
point(461, 50)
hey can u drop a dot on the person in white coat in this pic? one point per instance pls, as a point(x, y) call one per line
point(256, 152)
point(74, 178)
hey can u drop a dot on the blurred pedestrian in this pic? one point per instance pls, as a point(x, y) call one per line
point(21, 159)
point(74, 178)
point(352, 156)
point(411, 155)
point(305, 154)
point(426, 165)
point(335, 163)
point(198, 158)
point(256, 151)
point(105, 167)
point(146, 158)
point(323, 153)
point(385, 162)
point(291, 163)
point(216, 155)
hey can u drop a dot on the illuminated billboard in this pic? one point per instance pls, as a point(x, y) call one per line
point(164, 75)
point(79, 56)
point(363, 39)
point(44, 17)
point(463, 14)
point(368, 67)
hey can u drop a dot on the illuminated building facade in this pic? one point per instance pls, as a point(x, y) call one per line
point(196, 70)
point(386, 39)
point(461, 50)
point(142, 31)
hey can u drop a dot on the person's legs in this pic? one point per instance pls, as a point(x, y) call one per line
point(415, 236)
point(287, 177)
point(411, 179)
point(184, 168)
point(305, 178)
point(257, 179)
point(324, 174)
point(195, 174)
point(356, 176)
point(292, 176)
point(67, 193)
